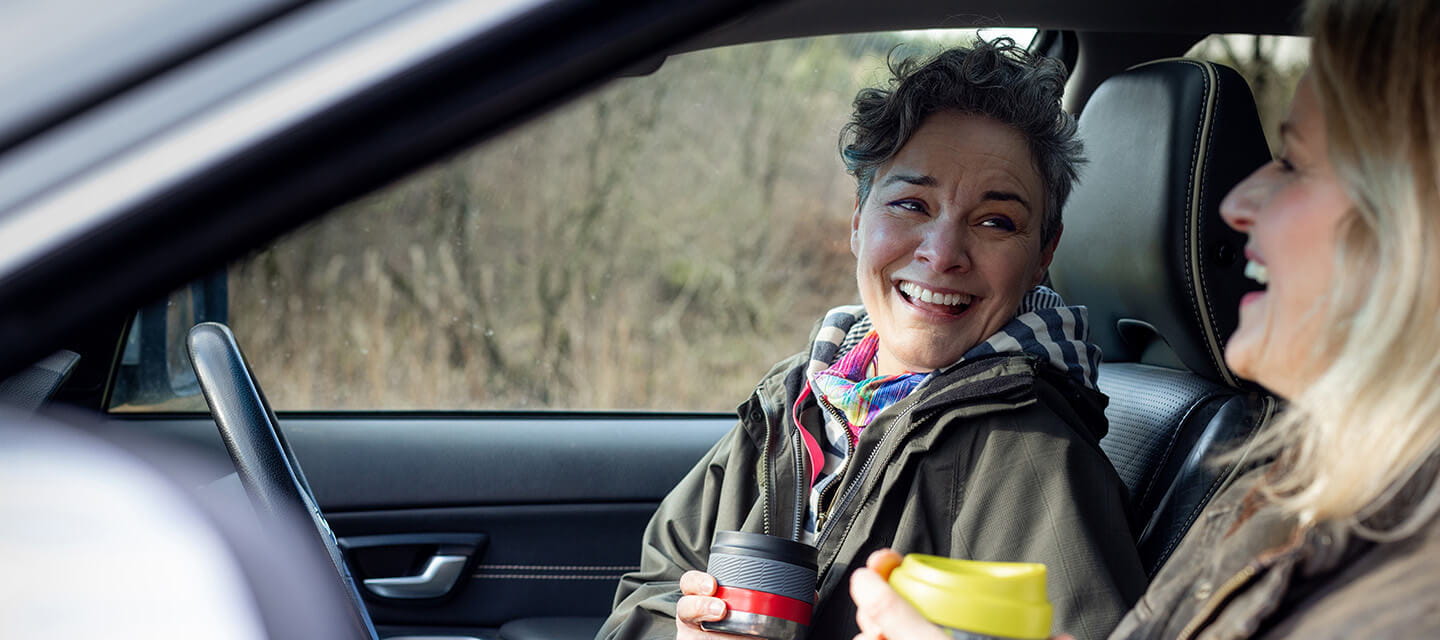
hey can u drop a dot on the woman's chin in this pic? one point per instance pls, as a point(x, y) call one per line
point(1237, 358)
point(1242, 356)
point(924, 360)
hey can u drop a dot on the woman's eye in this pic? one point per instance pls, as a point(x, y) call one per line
point(909, 205)
point(998, 222)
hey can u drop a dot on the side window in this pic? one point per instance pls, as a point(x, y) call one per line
point(656, 245)
point(1272, 65)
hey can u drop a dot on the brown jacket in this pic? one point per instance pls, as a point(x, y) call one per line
point(1246, 570)
point(996, 460)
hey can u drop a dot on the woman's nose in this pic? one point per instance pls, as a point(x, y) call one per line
point(1239, 206)
point(945, 249)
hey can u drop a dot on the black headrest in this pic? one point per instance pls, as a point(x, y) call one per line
point(1144, 246)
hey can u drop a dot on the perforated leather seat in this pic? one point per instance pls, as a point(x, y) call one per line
point(1145, 249)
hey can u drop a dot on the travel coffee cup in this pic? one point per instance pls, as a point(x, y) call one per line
point(767, 582)
point(977, 600)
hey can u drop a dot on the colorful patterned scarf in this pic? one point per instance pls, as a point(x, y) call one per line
point(845, 386)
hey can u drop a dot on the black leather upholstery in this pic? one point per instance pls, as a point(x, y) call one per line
point(1143, 238)
point(1145, 249)
point(1164, 425)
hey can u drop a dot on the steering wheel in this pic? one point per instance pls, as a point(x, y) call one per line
point(269, 471)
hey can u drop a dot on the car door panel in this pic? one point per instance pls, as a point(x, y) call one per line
point(557, 502)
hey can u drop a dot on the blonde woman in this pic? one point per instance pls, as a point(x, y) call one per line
point(1338, 538)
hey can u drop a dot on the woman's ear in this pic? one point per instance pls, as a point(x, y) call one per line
point(1047, 255)
point(855, 229)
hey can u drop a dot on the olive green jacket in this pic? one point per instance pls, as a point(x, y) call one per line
point(996, 459)
point(1247, 569)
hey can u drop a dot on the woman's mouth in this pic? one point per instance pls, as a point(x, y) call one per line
point(947, 303)
point(1255, 270)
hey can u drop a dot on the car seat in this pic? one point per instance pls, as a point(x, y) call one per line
point(106, 536)
point(1145, 249)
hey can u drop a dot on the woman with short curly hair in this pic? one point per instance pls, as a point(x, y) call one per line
point(953, 412)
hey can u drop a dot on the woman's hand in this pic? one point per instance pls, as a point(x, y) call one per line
point(696, 605)
point(881, 613)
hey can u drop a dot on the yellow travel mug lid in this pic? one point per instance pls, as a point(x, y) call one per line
point(1005, 599)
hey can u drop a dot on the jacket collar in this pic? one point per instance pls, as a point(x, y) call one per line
point(1044, 328)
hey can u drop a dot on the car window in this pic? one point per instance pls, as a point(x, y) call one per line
point(655, 245)
point(1272, 65)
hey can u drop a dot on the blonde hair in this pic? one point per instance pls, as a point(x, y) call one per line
point(1365, 427)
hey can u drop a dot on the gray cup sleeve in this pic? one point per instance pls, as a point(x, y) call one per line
point(760, 574)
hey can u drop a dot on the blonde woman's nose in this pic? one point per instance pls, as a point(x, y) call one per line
point(1239, 206)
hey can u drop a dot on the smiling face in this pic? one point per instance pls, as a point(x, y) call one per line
point(1291, 208)
point(948, 240)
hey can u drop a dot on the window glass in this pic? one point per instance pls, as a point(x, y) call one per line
point(656, 245)
point(1272, 65)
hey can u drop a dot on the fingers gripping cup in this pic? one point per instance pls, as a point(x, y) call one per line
point(977, 600)
point(767, 583)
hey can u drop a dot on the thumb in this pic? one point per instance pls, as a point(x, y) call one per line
point(882, 612)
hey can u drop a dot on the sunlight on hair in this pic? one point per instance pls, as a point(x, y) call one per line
point(957, 37)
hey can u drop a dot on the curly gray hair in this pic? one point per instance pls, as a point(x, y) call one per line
point(997, 79)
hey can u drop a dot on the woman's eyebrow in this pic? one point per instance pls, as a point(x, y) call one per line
point(1006, 196)
point(910, 178)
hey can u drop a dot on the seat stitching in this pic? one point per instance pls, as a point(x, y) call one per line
point(1204, 276)
point(1176, 537)
point(1196, 290)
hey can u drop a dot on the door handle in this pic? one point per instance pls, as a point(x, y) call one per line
point(436, 580)
point(445, 556)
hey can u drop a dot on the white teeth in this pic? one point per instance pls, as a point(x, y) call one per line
point(922, 294)
point(1257, 272)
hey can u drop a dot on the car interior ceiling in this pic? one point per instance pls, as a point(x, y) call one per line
point(91, 320)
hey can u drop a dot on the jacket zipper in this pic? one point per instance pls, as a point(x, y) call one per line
point(822, 505)
point(1220, 595)
point(766, 481)
point(798, 525)
point(854, 487)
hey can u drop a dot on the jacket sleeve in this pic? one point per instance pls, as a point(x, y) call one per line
point(716, 494)
point(1039, 492)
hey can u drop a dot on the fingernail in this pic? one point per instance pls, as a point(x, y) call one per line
point(715, 609)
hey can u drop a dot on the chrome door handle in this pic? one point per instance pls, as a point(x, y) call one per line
point(439, 576)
